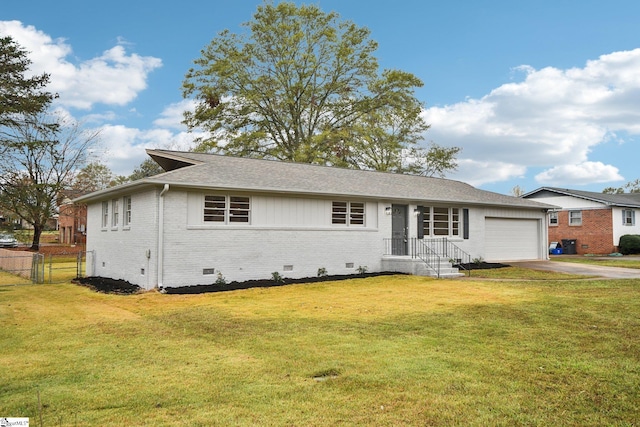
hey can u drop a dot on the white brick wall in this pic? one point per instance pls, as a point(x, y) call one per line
point(255, 251)
point(121, 253)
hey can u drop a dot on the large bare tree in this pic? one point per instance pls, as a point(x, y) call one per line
point(39, 162)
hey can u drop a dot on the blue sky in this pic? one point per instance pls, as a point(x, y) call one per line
point(537, 93)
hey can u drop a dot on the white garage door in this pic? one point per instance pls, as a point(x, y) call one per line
point(508, 239)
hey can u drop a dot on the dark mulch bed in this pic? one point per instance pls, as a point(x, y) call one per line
point(121, 287)
point(108, 286)
point(113, 286)
point(481, 265)
point(232, 286)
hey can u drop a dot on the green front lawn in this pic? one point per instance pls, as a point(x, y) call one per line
point(386, 351)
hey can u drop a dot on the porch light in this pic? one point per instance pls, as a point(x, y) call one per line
point(387, 210)
point(416, 212)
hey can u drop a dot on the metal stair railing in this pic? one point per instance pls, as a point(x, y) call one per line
point(450, 251)
point(430, 251)
point(427, 255)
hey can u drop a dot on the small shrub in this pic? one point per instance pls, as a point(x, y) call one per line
point(362, 269)
point(221, 279)
point(276, 277)
point(322, 272)
point(478, 260)
point(629, 244)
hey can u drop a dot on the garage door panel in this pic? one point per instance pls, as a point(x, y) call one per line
point(510, 239)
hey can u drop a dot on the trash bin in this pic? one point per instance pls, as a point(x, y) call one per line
point(569, 246)
point(555, 248)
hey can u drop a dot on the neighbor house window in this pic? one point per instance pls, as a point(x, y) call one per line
point(553, 218)
point(628, 217)
point(105, 214)
point(115, 212)
point(127, 210)
point(575, 217)
point(227, 209)
point(348, 213)
point(440, 221)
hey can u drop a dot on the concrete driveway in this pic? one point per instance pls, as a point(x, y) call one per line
point(585, 269)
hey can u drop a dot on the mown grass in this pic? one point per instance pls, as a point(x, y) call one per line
point(609, 262)
point(12, 279)
point(516, 273)
point(395, 350)
point(61, 269)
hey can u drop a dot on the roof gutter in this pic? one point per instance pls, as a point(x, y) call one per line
point(161, 236)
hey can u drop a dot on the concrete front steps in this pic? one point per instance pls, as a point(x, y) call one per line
point(417, 267)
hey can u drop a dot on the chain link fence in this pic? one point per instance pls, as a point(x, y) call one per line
point(21, 267)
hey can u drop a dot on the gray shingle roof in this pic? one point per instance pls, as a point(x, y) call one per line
point(212, 171)
point(622, 200)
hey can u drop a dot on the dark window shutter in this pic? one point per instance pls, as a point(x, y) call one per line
point(420, 222)
point(465, 223)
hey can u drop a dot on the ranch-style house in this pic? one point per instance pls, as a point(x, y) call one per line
point(211, 216)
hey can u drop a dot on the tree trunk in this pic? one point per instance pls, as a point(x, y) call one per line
point(37, 232)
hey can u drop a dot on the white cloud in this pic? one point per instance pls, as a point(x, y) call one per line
point(478, 173)
point(113, 78)
point(580, 174)
point(172, 116)
point(552, 119)
point(123, 148)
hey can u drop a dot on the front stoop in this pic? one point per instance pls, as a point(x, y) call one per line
point(417, 267)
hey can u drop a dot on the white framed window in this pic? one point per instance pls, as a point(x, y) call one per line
point(348, 213)
point(553, 218)
point(629, 217)
point(126, 201)
point(575, 217)
point(239, 209)
point(105, 214)
point(115, 213)
point(440, 221)
point(227, 209)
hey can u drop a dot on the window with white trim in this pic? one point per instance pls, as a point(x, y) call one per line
point(440, 221)
point(348, 213)
point(105, 214)
point(628, 217)
point(115, 213)
point(553, 218)
point(227, 209)
point(575, 217)
point(126, 200)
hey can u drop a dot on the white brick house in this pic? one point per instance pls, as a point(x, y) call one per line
point(248, 218)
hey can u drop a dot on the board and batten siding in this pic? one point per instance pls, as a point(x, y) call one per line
point(280, 211)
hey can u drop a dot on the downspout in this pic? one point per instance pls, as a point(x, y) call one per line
point(161, 235)
point(545, 233)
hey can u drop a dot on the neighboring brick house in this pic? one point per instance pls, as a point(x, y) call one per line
point(595, 221)
point(72, 222)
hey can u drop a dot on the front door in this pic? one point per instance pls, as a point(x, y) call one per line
point(399, 232)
